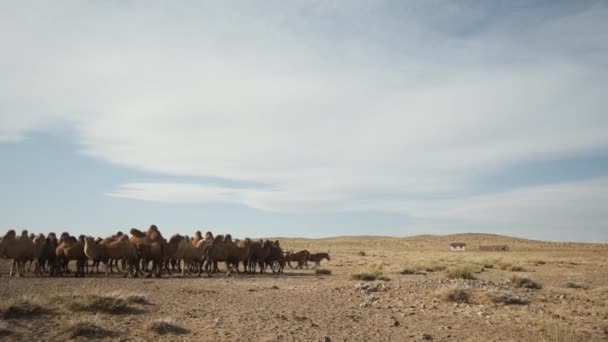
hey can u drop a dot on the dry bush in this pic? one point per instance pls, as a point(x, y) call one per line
point(460, 273)
point(556, 332)
point(322, 271)
point(573, 285)
point(89, 329)
point(365, 276)
point(506, 297)
point(504, 266)
point(166, 326)
point(516, 268)
point(526, 283)
point(374, 272)
point(407, 271)
point(4, 329)
point(488, 265)
point(23, 307)
point(361, 253)
point(455, 294)
point(114, 303)
point(384, 278)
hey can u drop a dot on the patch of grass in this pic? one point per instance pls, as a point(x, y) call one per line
point(504, 266)
point(488, 265)
point(166, 326)
point(573, 285)
point(115, 303)
point(4, 329)
point(506, 298)
point(87, 329)
point(25, 307)
point(365, 276)
point(456, 294)
point(384, 278)
point(460, 273)
point(322, 271)
point(361, 253)
point(516, 268)
point(407, 271)
point(526, 283)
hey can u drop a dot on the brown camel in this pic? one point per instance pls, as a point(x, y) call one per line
point(317, 258)
point(70, 249)
point(116, 249)
point(19, 249)
point(150, 246)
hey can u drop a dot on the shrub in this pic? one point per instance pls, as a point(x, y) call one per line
point(460, 273)
point(384, 278)
point(22, 308)
point(366, 276)
point(407, 271)
point(572, 285)
point(456, 294)
point(88, 330)
point(526, 283)
point(517, 268)
point(322, 271)
point(115, 303)
point(361, 253)
point(166, 326)
point(507, 298)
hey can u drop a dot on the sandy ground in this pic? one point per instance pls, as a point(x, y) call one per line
point(572, 304)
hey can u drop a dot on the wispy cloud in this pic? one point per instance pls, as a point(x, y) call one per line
point(325, 104)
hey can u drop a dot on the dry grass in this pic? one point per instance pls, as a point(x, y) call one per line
point(23, 307)
point(89, 329)
point(373, 272)
point(455, 294)
point(506, 298)
point(166, 326)
point(4, 329)
point(408, 271)
point(322, 271)
point(526, 283)
point(555, 331)
point(114, 303)
point(460, 273)
point(573, 285)
point(365, 276)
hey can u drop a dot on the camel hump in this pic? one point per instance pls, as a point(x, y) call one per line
point(137, 233)
point(175, 238)
point(24, 233)
point(218, 238)
point(11, 234)
point(123, 238)
point(153, 228)
point(228, 238)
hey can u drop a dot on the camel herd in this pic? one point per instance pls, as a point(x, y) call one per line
point(147, 253)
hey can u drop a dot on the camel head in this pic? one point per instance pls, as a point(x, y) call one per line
point(137, 233)
point(208, 236)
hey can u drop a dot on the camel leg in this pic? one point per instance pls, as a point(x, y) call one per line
point(12, 268)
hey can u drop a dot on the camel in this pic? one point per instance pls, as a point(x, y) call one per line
point(48, 258)
point(116, 249)
point(220, 250)
point(260, 251)
point(150, 246)
point(300, 257)
point(69, 249)
point(276, 259)
point(241, 253)
point(19, 249)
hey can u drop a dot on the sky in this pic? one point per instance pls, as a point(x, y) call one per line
point(306, 118)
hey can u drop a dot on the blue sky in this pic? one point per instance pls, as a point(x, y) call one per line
point(306, 118)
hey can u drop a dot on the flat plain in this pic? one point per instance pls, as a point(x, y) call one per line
point(373, 289)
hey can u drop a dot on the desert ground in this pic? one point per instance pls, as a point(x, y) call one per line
point(373, 289)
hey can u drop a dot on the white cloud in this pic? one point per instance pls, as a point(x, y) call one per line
point(317, 102)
